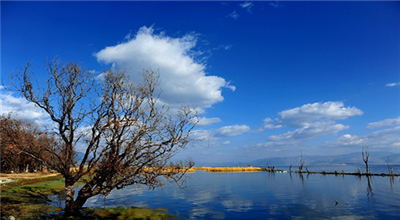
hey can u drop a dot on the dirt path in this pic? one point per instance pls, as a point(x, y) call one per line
point(4, 176)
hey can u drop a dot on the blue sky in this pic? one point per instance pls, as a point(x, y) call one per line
point(270, 78)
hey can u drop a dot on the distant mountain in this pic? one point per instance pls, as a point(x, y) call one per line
point(375, 158)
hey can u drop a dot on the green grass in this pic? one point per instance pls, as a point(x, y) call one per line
point(129, 213)
point(112, 213)
point(27, 199)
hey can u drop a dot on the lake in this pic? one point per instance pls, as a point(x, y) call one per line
point(265, 195)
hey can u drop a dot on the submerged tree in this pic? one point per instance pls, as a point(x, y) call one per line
point(125, 135)
point(365, 156)
point(302, 161)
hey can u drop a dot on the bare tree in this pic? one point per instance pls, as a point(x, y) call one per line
point(302, 161)
point(125, 135)
point(17, 135)
point(390, 169)
point(365, 156)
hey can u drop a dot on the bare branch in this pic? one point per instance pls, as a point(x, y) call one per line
point(127, 136)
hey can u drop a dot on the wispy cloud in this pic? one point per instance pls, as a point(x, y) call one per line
point(276, 4)
point(247, 6)
point(386, 122)
point(233, 15)
point(227, 47)
point(393, 84)
point(231, 131)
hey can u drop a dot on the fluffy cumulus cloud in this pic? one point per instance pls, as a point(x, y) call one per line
point(307, 122)
point(230, 131)
point(268, 124)
point(386, 122)
point(387, 139)
point(203, 121)
point(183, 79)
point(304, 115)
point(20, 108)
point(349, 139)
point(310, 131)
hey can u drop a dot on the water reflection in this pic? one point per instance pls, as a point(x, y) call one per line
point(370, 194)
point(391, 182)
point(267, 195)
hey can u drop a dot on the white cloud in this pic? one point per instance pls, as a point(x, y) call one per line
point(348, 139)
point(310, 120)
point(388, 139)
point(247, 6)
point(268, 125)
point(183, 79)
point(310, 131)
point(203, 121)
point(226, 142)
point(386, 122)
point(227, 47)
point(230, 131)
point(276, 4)
point(20, 108)
point(302, 116)
point(393, 84)
point(234, 15)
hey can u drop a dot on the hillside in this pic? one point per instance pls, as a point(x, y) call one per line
point(376, 158)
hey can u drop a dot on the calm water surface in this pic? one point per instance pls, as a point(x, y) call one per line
point(264, 195)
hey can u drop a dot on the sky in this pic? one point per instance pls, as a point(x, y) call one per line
point(271, 79)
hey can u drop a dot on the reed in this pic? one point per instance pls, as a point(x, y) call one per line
point(201, 168)
point(169, 169)
point(229, 169)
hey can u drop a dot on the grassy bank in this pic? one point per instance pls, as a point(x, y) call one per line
point(25, 198)
point(28, 199)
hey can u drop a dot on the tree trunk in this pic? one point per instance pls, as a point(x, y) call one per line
point(75, 206)
point(69, 200)
point(80, 201)
point(71, 205)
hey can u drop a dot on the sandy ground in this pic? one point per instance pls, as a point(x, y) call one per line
point(4, 176)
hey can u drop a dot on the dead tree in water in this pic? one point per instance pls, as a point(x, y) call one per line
point(301, 163)
point(365, 156)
